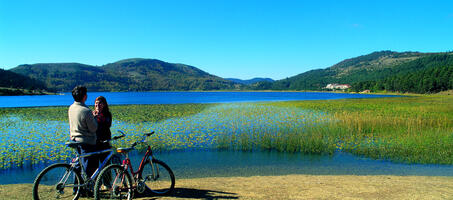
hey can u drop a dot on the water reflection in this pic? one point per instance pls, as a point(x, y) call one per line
point(226, 163)
point(206, 163)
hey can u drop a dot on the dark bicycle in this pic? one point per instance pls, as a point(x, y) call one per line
point(67, 181)
point(153, 175)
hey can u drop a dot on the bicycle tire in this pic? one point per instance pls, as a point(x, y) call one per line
point(47, 184)
point(161, 183)
point(113, 190)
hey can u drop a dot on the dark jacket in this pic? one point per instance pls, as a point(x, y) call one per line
point(103, 132)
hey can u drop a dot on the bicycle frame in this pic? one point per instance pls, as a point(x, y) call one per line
point(135, 178)
point(76, 162)
point(128, 164)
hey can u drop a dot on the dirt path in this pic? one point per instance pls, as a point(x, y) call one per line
point(294, 187)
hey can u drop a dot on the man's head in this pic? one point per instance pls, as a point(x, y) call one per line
point(79, 93)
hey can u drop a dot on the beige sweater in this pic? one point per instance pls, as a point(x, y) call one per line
point(82, 125)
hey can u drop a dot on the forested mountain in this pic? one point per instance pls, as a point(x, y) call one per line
point(10, 79)
point(430, 74)
point(383, 70)
point(250, 81)
point(16, 84)
point(61, 76)
point(374, 66)
point(126, 75)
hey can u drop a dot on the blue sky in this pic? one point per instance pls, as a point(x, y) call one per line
point(228, 38)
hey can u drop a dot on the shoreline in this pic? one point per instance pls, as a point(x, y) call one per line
point(292, 187)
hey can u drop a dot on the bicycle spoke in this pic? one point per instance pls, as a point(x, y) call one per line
point(158, 177)
point(56, 182)
point(113, 183)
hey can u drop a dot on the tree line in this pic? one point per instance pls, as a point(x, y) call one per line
point(429, 74)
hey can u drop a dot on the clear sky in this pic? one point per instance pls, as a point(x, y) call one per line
point(228, 38)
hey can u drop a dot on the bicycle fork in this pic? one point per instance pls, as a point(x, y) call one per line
point(81, 183)
point(155, 174)
point(62, 183)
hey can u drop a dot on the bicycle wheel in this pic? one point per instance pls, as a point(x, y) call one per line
point(114, 182)
point(158, 177)
point(57, 181)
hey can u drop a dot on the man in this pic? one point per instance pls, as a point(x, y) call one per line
point(83, 126)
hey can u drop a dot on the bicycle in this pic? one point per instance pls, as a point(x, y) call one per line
point(66, 181)
point(152, 175)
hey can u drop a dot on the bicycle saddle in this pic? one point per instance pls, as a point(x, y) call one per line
point(124, 150)
point(73, 144)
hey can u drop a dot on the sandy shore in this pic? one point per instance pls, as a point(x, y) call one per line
point(293, 187)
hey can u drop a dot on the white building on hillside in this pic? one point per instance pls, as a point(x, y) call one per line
point(335, 86)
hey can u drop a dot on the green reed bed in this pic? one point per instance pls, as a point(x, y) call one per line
point(278, 127)
point(34, 135)
point(417, 129)
point(243, 126)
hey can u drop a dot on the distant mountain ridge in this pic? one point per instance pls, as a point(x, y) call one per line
point(382, 70)
point(16, 84)
point(136, 74)
point(429, 74)
point(371, 67)
point(10, 79)
point(250, 81)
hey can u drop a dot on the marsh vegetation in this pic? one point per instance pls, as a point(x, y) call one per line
point(414, 129)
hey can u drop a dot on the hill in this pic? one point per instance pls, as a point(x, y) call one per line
point(430, 74)
point(382, 70)
point(135, 74)
point(16, 84)
point(60, 76)
point(372, 67)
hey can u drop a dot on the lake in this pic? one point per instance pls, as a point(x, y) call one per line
point(206, 163)
point(123, 98)
point(190, 163)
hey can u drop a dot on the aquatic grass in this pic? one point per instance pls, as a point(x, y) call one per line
point(262, 127)
point(30, 136)
point(29, 143)
point(416, 129)
point(231, 126)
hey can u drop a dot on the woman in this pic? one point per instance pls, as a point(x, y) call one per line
point(104, 118)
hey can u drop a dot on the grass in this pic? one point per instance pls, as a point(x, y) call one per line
point(35, 135)
point(414, 129)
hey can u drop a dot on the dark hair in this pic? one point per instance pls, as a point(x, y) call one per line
point(79, 92)
point(105, 111)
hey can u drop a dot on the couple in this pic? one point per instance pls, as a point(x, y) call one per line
point(90, 127)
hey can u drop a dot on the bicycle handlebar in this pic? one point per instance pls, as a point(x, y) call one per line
point(143, 140)
point(115, 137)
point(119, 136)
point(123, 134)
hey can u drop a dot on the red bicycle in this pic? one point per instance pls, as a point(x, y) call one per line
point(153, 175)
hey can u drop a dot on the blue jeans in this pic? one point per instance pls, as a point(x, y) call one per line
point(90, 163)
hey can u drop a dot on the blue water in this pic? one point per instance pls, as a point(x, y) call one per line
point(196, 164)
point(121, 98)
point(206, 163)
